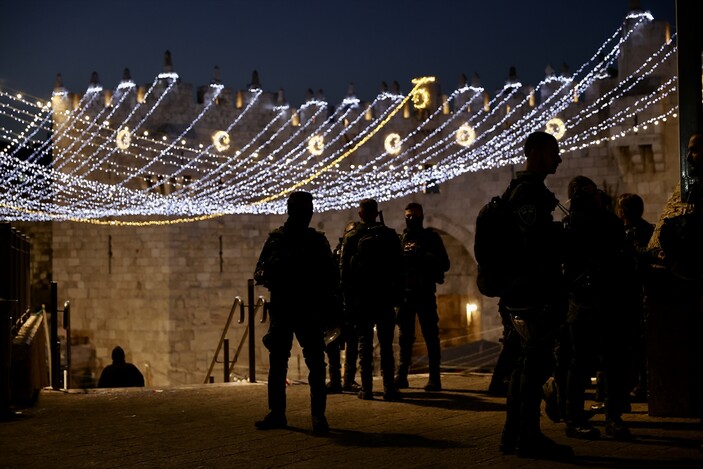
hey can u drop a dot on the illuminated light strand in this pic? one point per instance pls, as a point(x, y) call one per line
point(92, 135)
point(41, 151)
point(622, 87)
point(331, 160)
point(402, 156)
point(284, 168)
point(346, 154)
point(21, 140)
point(256, 94)
point(78, 120)
point(415, 155)
point(261, 134)
point(615, 48)
point(579, 69)
point(281, 168)
point(494, 108)
point(420, 177)
point(109, 141)
point(75, 180)
point(215, 95)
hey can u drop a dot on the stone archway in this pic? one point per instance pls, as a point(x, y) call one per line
point(465, 315)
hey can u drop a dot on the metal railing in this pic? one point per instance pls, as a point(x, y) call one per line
point(237, 303)
point(55, 342)
point(249, 334)
point(67, 328)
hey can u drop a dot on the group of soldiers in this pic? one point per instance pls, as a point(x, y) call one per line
point(373, 281)
point(573, 300)
point(572, 292)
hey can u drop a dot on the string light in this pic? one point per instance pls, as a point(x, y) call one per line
point(171, 179)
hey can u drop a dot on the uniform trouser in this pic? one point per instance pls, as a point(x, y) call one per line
point(279, 341)
point(424, 305)
point(584, 339)
point(508, 355)
point(616, 359)
point(563, 353)
point(383, 317)
point(598, 343)
point(533, 368)
point(351, 344)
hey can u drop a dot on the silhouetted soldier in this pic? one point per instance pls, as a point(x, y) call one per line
point(638, 231)
point(297, 266)
point(534, 299)
point(371, 270)
point(425, 261)
point(599, 265)
point(120, 374)
point(348, 340)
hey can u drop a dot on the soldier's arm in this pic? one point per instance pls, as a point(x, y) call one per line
point(437, 253)
point(260, 272)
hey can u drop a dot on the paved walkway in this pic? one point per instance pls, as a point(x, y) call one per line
point(213, 426)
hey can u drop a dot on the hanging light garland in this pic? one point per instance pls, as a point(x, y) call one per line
point(106, 165)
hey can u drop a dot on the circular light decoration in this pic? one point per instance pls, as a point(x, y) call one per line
point(465, 135)
point(123, 138)
point(392, 143)
point(221, 140)
point(421, 98)
point(316, 144)
point(555, 127)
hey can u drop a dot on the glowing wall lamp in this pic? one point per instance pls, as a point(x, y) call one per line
point(471, 309)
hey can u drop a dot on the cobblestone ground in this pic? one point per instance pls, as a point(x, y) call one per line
point(213, 426)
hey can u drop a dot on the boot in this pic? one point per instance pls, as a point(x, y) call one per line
point(366, 392)
point(320, 425)
point(390, 392)
point(401, 379)
point(435, 382)
point(271, 421)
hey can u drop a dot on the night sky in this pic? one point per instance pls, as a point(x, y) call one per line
point(298, 45)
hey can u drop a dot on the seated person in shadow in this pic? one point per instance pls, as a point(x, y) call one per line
point(120, 374)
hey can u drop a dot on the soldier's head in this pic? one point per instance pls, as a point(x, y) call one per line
point(694, 155)
point(300, 208)
point(630, 207)
point(583, 194)
point(414, 216)
point(368, 210)
point(542, 152)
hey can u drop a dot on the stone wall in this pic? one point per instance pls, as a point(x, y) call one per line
point(163, 292)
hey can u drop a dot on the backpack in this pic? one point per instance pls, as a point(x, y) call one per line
point(496, 243)
point(377, 257)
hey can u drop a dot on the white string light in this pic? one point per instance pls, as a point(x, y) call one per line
point(102, 169)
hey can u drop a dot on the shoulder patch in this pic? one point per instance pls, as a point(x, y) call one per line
point(527, 214)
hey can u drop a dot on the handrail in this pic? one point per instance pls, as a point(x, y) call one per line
point(252, 314)
point(248, 333)
point(237, 302)
point(67, 328)
point(261, 302)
